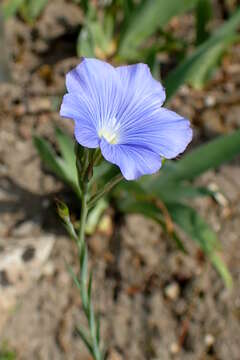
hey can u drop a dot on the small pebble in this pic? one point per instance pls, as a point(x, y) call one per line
point(172, 291)
point(219, 197)
point(210, 101)
point(174, 348)
point(209, 340)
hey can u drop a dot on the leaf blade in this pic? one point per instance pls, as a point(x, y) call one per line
point(147, 17)
point(205, 157)
point(183, 72)
point(198, 230)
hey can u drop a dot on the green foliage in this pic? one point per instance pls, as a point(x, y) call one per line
point(141, 37)
point(198, 230)
point(204, 14)
point(90, 338)
point(85, 160)
point(208, 62)
point(11, 7)
point(205, 157)
point(32, 9)
point(149, 16)
point(96, 36)
point(172, 189)
point(197, 67)
point(29, 9)
point(163, 197)
point(64, 167)
point(95, 215)
point(6, 353)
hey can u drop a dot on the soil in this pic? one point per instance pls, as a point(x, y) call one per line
point(155, 302)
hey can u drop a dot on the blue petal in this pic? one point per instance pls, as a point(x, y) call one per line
point(123, 105)
point(134, 161)
point(162, 131)
point(86, 135)
point(98, 87)
point(141, 93)
point(137, 79)
point(75, 108)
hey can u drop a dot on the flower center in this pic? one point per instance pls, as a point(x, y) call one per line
point(108, 135)
point(110, 130)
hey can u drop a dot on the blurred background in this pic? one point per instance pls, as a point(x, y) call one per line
point(158, 292)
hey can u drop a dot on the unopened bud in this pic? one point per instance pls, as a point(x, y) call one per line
point(62, 210)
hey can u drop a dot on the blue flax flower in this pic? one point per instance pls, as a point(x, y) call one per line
point(119, 110)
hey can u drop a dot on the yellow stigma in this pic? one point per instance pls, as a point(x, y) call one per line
point(107, 135)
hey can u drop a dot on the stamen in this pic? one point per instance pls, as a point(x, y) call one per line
point(109, 136)
point(110, 131)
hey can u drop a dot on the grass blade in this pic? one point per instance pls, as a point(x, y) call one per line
point(185, 70)
point(196, 228)
point(198, 161)
point(146, 19)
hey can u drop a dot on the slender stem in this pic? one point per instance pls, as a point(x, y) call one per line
point(83, 217)
point(114, 181)
point(71, 231)
point(86, 296)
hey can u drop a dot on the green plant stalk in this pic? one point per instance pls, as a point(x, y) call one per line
point(114, 181)
point(84, 165)
point(83, 217)
point(85, 282)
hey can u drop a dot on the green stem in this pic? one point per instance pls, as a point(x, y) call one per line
point(85, 293)
point(83, 217)
point(114, 181)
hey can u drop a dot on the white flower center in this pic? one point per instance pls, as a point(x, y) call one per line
point(110, 131)
point(108, 135)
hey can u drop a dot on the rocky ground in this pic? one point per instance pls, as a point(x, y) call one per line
point(155, 302)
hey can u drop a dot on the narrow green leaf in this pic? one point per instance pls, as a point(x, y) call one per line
point(91, 320)
point(49, 157)
point(185, 70)
point(90, 287)
point(153, 63)
point(11, 7)
point(74, 277)
point(56, 164)
point(95, 36)
point(222, 270)
point(85, 338)
point(84, 265)
point(191, 222)
point(128, 6)
point(66, 145)
point(198, 161)
point(197, 229)
point(146, 19)
point(34, 8)
point(95, 215)
point(85, 44)
point(208, 62)
point(84, 4)
point(98, 332)
point(204, 14)
point(173, 192)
